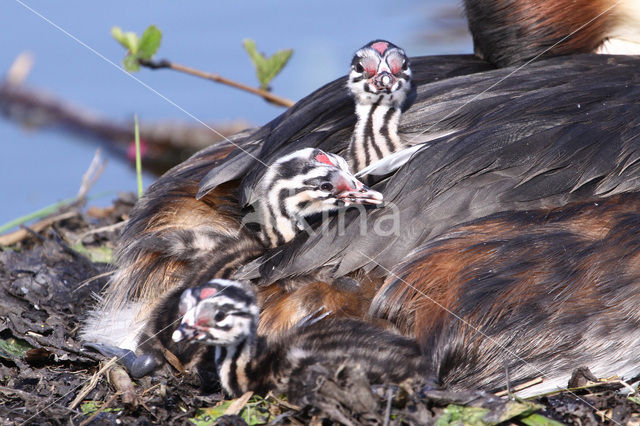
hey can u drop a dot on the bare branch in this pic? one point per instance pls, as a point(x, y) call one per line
point(217, 78)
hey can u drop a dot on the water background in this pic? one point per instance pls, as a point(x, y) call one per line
point(38, 168)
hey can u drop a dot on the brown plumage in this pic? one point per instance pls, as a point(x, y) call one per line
point(284, 306)
point(537, 293)
point(508, 32)
point(147, 258)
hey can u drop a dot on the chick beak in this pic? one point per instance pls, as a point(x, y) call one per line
point(183, 333)
point(361, 195)
point(384, 81)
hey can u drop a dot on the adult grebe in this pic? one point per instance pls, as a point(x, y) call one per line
point(509, 32)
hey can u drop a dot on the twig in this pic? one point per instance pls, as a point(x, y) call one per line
point(33, 233)
point(146, 391)
point(89, 179)
point(20, 234)
point(217, 78)
point(92, 175)
point(166, 142)
point(285, 404)
point(589, 385)
point(101, 229)
point(39, 214)
point(387, 411)
point(20, 68)
point(121, 382)
point(520, 387)
point(92, 383)
point(236, 406)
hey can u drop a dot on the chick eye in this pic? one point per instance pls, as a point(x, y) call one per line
point(359, 67)
point(220, 316)
point(405, 65)
point(326, 186)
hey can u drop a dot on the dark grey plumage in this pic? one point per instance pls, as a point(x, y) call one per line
point(530, 293)
point(560, 130)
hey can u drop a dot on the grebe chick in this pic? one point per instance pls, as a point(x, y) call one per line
point(224, 314)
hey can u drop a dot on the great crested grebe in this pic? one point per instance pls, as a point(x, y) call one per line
point(481, 141)
point(526, 294)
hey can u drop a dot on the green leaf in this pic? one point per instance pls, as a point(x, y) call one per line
point(256, 57)
point(129, 40)
point(250, 413)
point(116, 32)
point(96, 254)
point(458, 415)
point(273, 66)
point(208, 416)
point(13, 348)
point(149, 43)
point(90, 407)
point(254, 416)
point(130, 63)
point(538, 420)
point(266, 68)
point(634, 399)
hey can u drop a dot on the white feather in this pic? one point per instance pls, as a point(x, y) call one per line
point(114, 327)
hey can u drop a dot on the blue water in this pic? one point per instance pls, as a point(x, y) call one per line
point(38, 168)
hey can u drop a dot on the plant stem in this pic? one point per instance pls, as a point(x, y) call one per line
point(217, 78)
point(37, 214)
point(138, 154)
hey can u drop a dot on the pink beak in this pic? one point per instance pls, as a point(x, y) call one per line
point(363, 195)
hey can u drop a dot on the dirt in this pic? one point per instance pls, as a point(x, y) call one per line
point(48, 280)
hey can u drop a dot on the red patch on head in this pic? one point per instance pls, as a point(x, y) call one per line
point(343, 185)
point(324, 158)
point(207, 291)
point(380, 46)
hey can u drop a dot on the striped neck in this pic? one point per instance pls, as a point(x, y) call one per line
point(278, 226)
point(234, 364)
point(375, 135)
